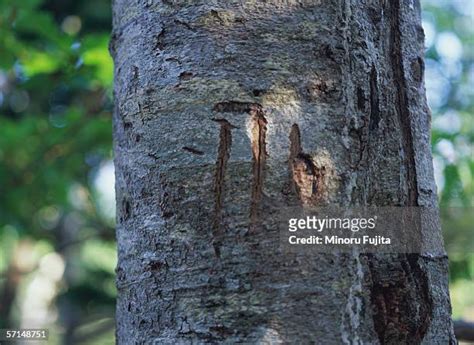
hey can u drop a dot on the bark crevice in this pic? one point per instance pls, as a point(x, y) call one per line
point(400, 290)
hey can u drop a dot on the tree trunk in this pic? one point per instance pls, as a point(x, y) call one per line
point(225, 109)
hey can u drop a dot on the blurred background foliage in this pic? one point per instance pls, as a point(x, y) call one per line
point(449, 78)
point(57, 250)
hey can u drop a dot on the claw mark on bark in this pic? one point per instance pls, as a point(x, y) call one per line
point(295, 150)
point(259, 156)
point(306, 179)
point(295, 143)
point(225, 142)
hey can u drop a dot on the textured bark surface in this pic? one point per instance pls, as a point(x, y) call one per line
point(227, 110)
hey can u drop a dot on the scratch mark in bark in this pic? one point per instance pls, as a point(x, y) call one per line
point(259, 156)
point(295, 151)
point(223, 153)
point(295, 142)
point(306, 179)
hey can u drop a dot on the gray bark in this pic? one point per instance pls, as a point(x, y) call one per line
point(224, 109)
